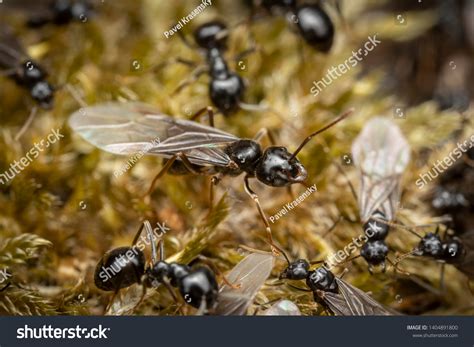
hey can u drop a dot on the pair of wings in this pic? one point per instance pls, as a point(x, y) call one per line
point(352, 301)
point(131, 128)
point(381, 153)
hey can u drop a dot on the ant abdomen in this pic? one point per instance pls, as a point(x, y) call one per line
point(120, 268)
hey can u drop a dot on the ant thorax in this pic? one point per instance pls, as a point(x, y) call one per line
point(322, 279)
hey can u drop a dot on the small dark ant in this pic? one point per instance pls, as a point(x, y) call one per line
point(313, 23)
point(192, 148)
point(448, 249)
point(26, 73)
point(197, 286)
point(226, 88)
point(331, 292)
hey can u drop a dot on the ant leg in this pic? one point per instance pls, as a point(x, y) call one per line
point(173, 295)
point(187, 164)
point(8, 73)
point(265, 132)
point(214, 182)
point(348, 181)
point(6, 286)
point(198, 72)
point(137, 235)
point(111, 301)
point(203, 307)
point(210, 114)
point(214, 268)
point(27, 123)
point(160, 174)
point(254, 196)
point(151, 238)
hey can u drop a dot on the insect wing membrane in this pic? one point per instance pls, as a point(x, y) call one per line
point(130, 128)
point(382, 153)
point(336, 303)
point(360, 303)
point(249, 274)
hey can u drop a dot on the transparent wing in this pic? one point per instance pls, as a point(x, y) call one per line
point(250, 275)
point(282, 308)
point(381, 153)
point(129, 128)
point(336, 303)
point(11, 51)
point(360, 303)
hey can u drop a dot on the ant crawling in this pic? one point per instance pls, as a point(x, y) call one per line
point(226, 87)
point(197, 286)
point(192, 148)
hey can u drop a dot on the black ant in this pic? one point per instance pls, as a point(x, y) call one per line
point(192, 148)
point(197, 286)
point(449, 249)
point(313, 23)
point(26, 73)
point(226, 88)
point(332, 292)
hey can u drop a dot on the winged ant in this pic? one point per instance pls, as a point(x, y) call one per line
point(192, 148)
point(381, 153)
point(332, 292)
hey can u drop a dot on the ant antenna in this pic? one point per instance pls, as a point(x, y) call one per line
point(398, 260)
point(307, 139)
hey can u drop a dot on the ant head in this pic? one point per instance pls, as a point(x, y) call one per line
point(176, 272)
point(279, 168)
point(245, 153)
point(119, 268)
point(452, 249)
point(198, 285)
point(315, 26)
point(211, 35)
point(297, 270)
point(226, 92)
point(431, 246)
point(157, 273)
point(374, 252)
point(43, 92)
point(321, 279)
